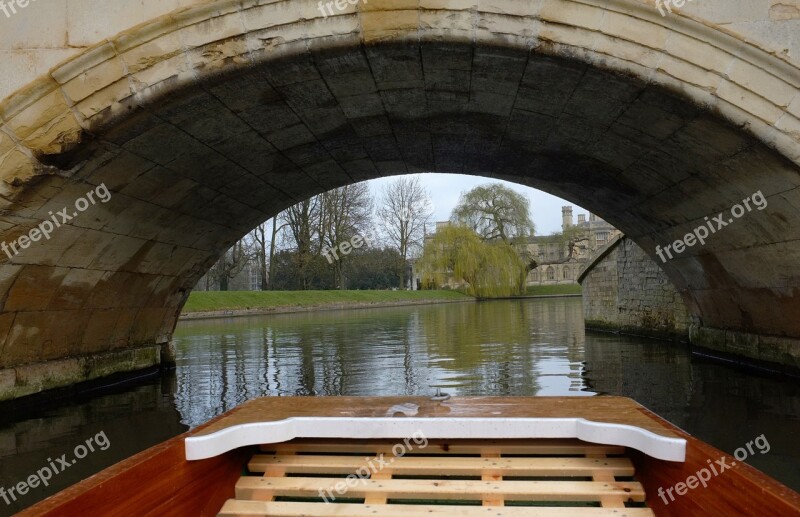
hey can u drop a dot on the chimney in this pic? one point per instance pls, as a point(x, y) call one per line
point(581, 218)
point(592, 217)
point(566, 217)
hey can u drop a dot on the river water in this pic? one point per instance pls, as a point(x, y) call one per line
point(508, 347)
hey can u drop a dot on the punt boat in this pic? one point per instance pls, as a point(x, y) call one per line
point(416, 456)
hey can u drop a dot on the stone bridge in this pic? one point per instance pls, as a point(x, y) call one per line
point(202, 119)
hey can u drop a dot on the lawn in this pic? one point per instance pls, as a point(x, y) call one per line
point(202, 301)
point(540, 290)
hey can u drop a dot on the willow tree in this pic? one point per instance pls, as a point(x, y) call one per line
point(499, 214)
point(495, 211)
point(478, 268)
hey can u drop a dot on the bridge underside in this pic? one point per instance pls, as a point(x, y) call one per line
point(192, 165)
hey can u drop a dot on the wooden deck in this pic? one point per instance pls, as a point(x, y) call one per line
point(614, 410)
point(554, 478)
point(605, 420)
point(160, 482)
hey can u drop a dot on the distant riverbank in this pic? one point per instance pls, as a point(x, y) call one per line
point(218, 304)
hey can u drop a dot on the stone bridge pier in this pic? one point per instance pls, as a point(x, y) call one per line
point(203, 118)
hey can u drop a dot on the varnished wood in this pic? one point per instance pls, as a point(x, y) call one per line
point(740, 490)
point(614, 410)
point(159, 481)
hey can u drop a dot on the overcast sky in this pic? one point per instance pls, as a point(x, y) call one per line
point(445, 190)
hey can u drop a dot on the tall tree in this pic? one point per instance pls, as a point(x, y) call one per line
point(344, 213)
point(272, 244)
point(484, 269)
point(569, 239)
point(404, 211)
point(302, 222)
point(230, 264)
point(259, 237)
point(494, 211)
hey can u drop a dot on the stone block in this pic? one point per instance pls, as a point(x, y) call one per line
point(146, 357)
point(33, 378)
point(41, 24)
point(780, 350)
point(101, 365)
point(22, 66)
point(34, 288)
point(63, 334)
point(8, 381)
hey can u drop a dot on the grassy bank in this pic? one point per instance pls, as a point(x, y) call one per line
point(541, 290)
point(207, 301)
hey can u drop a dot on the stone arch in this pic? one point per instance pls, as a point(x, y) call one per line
point(206, 121)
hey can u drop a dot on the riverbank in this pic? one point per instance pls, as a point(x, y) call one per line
point(553, 290)
point(224, 304)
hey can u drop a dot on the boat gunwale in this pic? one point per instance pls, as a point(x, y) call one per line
point(486, 428)
point(174, 484)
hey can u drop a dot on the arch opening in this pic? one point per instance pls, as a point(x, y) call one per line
point(194, 158)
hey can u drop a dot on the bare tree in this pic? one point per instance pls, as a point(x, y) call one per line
point(302, 222)
point(265, 258)
point(345, 212)
point(404, 211)
point(230, 263)
point(260, 252)
point(272, 243)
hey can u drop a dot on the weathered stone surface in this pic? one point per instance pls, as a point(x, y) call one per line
point(624, 290)
point(36, 377)
point(777, 350)
point(210, 120)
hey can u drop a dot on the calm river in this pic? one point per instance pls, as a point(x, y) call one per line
point(525, 347)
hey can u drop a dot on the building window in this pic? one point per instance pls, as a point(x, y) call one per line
point(602, 237)
point(551, 273)
point(535, 276)
point(566, 274)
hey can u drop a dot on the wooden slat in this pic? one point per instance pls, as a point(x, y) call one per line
point(379, 497)
point(235, 508)
point(612, 500)
point(488, 497)
point(261, 488)
point(445, 466)
point(564, 447)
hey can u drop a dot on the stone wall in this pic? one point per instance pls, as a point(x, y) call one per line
point(44, 33)
point(623, 289)
point(214, 119)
